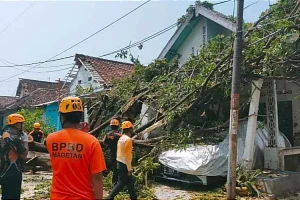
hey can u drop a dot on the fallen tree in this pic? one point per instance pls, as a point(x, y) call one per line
point(193, 99)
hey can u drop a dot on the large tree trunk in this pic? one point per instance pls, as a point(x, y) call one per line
point(38, 147)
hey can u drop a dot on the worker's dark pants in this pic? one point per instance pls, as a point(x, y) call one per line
point(115, 173)
point(123, 180)
point(11, 184)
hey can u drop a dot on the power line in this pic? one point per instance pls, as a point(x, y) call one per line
point(14, 20)
point(101, 29)
point(143, 40)
point(51, 66)
point(57, 70)
point(221, 2)
point(78, 42)
point(127, 47)
point(40, 62)
point(116, 51)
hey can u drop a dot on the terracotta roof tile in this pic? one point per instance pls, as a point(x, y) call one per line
point(38, 96)
point(107, 69)
point(31, 85)
point(6, 100)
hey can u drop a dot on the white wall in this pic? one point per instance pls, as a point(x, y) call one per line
point(146, 115)
point(83, 74)
point(195, 39)
point(293, 91)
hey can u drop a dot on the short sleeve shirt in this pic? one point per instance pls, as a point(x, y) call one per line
point(75, 157)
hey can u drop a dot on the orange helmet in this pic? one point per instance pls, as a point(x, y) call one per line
point(14, 118)
point(36, 125)
point(70, 104)
point(114, 122)
point(126, 125)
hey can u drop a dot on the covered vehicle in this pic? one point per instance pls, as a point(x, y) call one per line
point(201, 163)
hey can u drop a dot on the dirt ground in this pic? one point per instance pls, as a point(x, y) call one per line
point(36, 187)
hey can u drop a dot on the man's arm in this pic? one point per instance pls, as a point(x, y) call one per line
point(128, 155)
point(97, 182)
point(25, 144)
point(97, 165)
point(43, 135)
point(25, 153)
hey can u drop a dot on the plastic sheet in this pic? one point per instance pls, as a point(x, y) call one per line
point(211, 160)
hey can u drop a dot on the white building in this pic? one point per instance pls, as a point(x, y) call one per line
point(97, 73)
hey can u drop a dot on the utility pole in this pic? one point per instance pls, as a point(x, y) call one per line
point(235, 100)
point(58, 102)
point(58, 90)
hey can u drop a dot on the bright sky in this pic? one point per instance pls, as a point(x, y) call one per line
point(47, 28)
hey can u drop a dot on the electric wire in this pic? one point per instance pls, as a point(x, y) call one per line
point(15, 19)
point(124, 48)
point(71, 56)
point(79, 42)
point(142, 41)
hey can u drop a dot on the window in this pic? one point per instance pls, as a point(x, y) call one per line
point(79, 81)
point(204, 34)
point(90, 78)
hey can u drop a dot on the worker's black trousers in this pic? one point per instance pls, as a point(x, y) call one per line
point(115, 172)
point(123, 180)
point(11, 184)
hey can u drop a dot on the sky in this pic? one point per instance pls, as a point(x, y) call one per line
point(32, 31)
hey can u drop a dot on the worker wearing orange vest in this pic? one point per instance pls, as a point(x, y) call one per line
point(124, 166)
point(111, 140)
point(76, 157)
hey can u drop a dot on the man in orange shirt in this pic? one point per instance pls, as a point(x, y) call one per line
point(76, 157)
point(124, 159)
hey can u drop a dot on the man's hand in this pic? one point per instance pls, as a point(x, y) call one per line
point(84, 126)
point(97, 183)
point(129, 173)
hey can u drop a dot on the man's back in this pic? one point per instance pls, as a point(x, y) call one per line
point(111, 140)
point(75, 156)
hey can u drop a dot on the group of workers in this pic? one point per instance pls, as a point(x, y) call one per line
point(76, 156)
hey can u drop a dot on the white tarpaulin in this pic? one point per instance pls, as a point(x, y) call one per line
point(211, 160)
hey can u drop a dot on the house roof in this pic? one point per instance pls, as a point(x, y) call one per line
point(103, 70)
point(6, 100)
point(37, 97)
point(30, 85)
point(40, 96)
point(187, 26)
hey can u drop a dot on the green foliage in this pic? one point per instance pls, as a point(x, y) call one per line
point(147, 167)
point(204, 81)
point(81, 91)
point(248, 178)
point(205, 4)
point(33, 116)
point(123, 54)
point(42, 190)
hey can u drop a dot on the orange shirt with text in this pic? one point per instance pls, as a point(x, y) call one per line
point(75, 157)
